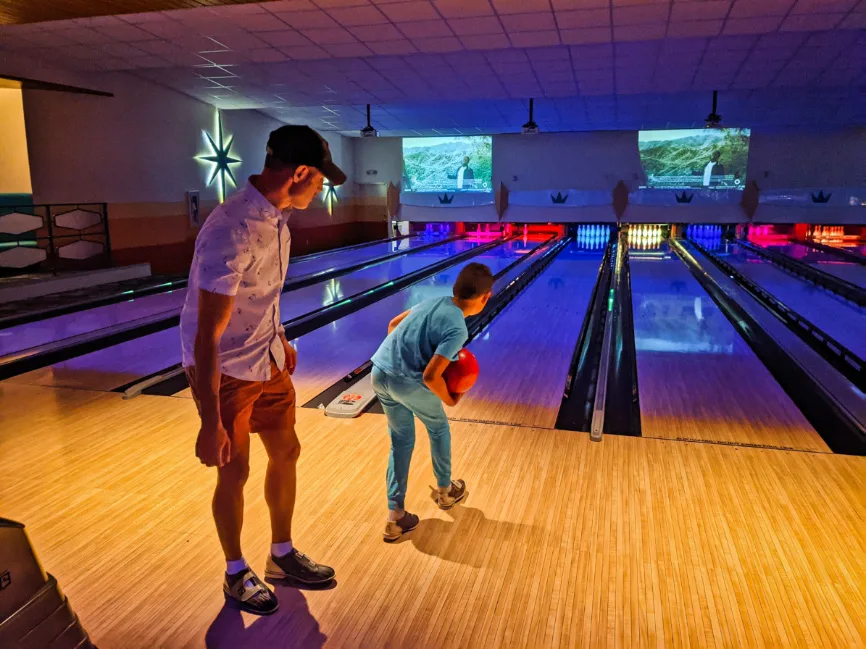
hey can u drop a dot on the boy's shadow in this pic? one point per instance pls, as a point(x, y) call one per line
point(291, 627)
point(462, 539)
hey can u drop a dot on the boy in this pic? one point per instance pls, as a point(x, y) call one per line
point(407, 378)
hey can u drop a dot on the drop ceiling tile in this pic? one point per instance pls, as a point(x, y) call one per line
point(693, 28)
point(87, 36)
point(158, 47)
point(124, 32)
point(267, 55)
point(520, 6)
point(287, 38)
point(84, 52)
point(757, 25)
point(121, 50)
point(752, 8)
point(426, 29)
point(376, 33)
point(588, 35)
point(309, 20)
point(393, 47)
point(810, 22)
point(305, 52)
point(782, 39)
point(583, 19)
point(448, 44)
point(169, 29)
point(328, 4)
point(410, 11)
point(550, 56)
point(531, 22)
point(823, 6)
point(358, 16)
point(854, 21)
point(485, 42)
point(464, 8)
point(639, 32)
point(265, 22)
point(507, 56)
point(241, 41)
point(148, 62)
point(700, 10)
point(329, 36)
point(640, 14)
point(475, 26)
point(535, 39)
point(288, 6)
point(137, 18)
point(224, 58)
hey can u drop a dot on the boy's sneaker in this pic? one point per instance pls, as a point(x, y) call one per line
point(454, 495)
point(395, 529)
point(296, 566)
point(249, 593)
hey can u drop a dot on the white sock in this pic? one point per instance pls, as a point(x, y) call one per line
point(234, 567)
point(396, 514)
point(281, 549)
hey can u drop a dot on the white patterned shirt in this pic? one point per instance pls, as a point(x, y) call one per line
point(242, 250)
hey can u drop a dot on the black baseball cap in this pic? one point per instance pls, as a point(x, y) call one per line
point(295, 144)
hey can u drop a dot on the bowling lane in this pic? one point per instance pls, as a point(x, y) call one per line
point(310, 298)
point(41, 332)
point(298, 302)
point(847, 270)
point(329, 353)
point(697, 378)
point(525, 354)
point(112, 367)
point(339, 259)
point(841, 319)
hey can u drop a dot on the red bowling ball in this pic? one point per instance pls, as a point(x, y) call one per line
point(461, 375)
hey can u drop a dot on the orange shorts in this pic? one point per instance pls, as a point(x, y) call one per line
point(254, 406)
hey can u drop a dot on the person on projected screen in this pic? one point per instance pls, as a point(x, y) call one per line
point(713, 168)
point(465, 175)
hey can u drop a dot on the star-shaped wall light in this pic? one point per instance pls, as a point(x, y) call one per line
point(329, 196)
point(219, 158)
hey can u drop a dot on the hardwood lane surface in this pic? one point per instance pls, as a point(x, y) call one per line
point(836, 316)
point(697, 378)
point(15, 339)
point(561, 543)
point(847, 270)
point(524, 355)
point(114, 366)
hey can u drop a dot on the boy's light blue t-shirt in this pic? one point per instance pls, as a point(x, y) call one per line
point(435, 326)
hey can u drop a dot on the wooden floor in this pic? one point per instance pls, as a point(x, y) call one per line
point(561, 542)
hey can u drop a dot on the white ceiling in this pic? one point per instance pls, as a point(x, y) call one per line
point(465, 65)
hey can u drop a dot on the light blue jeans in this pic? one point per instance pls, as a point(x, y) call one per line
point(402, 400)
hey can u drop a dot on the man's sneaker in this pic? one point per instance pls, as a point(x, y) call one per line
point(249, 593)
point(296, 566)
point(454, 495)
point(395, 529)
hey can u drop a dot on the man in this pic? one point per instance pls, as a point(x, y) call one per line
point(465, 175)
point(713, 168)
point(239, 362)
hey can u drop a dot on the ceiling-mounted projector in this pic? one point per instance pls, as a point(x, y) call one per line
point(530, 128)
point(368, 130)
point(714, 120)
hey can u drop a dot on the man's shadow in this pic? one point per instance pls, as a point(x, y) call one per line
point(291, 627)
point(463, 539)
